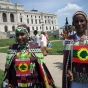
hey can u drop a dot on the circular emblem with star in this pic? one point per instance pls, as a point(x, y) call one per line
point(65, 35)
point(23, 67)
point(83, 54)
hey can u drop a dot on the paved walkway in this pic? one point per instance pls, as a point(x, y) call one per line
point(55, 40)
point(53, 62)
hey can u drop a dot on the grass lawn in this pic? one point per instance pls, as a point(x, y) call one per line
point(6, 42)
point(57, 45)
point(1, 77)
point(3, 50)
point(52, 38)
point(57, 48)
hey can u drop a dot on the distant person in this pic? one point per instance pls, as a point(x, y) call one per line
point(43, 43)
point(47, 37)
point(49, 46)
point(70, 30)
point(36, 38)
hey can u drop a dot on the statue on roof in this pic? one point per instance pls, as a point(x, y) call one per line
point(66, 24)
point(66, 21)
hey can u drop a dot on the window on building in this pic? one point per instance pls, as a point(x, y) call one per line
point(39, 16)
point(35, 16)
point(31, 16)
point(53, 27)
point(20, 19)
point(13, 28)
point(39, 21)
point(6, 28)
point(48, 21)
point(32, 28)
point(46, 28)
point(52, 21)
point(45, 21)
point(20, 13)
point(50, 27)
point(27, 15)
point(36, 21)
point(32, 21)
point(28, 21)
point(36, 28)
point(11, 17)
point(4, 17)
point(40, 28)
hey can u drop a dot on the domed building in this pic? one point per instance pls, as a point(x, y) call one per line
point(13, 14)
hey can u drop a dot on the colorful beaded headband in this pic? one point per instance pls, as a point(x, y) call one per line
point(80, 13)
point(21, 28)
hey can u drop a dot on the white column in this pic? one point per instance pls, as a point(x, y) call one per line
point(15, 17)
point(1, 18)
point(8, 17)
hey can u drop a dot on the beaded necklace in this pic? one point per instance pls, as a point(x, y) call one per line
point(23, 48)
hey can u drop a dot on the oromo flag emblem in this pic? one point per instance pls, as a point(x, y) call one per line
point(23, 67)
point(80, 54)
point(83, 54)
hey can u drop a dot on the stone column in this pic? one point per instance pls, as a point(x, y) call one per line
point(8, 17)
point(42, 21)
point(1, 18)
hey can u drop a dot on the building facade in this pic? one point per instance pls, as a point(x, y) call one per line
point(13, 14)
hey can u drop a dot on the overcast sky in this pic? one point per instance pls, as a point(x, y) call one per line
point(62, 8)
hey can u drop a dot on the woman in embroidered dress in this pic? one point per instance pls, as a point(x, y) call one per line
point(25, 66)
point(77, 77)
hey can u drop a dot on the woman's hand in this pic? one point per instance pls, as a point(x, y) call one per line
point(70, 76)
point(6, 80)
point(10, 86)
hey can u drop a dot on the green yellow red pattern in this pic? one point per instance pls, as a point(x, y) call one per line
point(22, 67)
point(80, 54)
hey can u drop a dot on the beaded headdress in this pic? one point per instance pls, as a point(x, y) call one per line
point(24, 28)
point(21, 28)
point(80, 13)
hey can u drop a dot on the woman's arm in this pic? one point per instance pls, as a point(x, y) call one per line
point(8, 65)
point(69, 70)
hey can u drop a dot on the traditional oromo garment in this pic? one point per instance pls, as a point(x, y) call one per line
point(26, 68)
point(79, 67)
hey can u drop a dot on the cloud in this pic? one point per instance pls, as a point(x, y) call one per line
point(68, 10)
point(44, 5)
